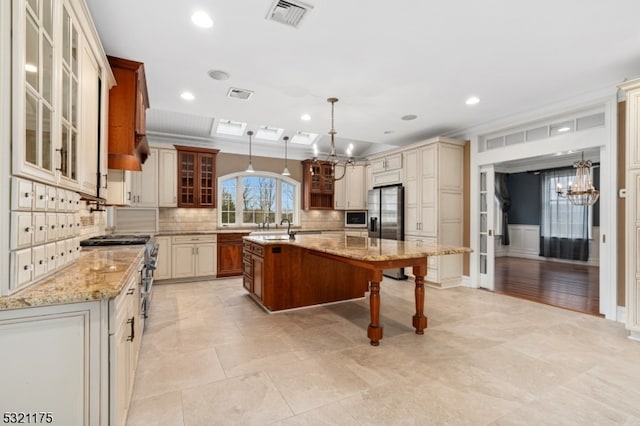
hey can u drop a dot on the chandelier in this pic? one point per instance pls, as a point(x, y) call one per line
point(333, 157)
point(581, 191)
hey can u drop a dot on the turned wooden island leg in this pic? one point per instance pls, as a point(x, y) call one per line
point(374, 332)
point(419, 320)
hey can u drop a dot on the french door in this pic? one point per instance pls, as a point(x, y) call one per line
point(486, 220)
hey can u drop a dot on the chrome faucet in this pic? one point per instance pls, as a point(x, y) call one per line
point(292, 235)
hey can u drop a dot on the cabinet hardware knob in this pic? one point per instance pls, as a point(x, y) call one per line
point(130, 291)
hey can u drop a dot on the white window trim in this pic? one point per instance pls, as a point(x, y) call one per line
point(239, 210)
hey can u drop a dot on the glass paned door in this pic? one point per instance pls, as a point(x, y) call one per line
point(486, 220)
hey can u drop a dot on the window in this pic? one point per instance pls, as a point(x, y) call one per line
point(253, 198)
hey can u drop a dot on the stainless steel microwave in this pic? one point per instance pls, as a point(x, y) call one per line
point(355, 219)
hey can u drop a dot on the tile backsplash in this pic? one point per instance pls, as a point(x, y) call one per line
point(199, 220)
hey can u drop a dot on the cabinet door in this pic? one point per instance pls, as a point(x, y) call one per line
point(207, 180)
point(258, 275)
point(167, 174)
point(340, 193)
point(182, 261)
point(119, 191)
point(187, 179)
point(121, 364)
point(355, 188)
point(90, 98)
point(163, 270)
point(205, 259)
point(146, 184)
point(229, 258)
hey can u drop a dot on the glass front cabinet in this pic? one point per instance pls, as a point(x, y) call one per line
point(58, 75)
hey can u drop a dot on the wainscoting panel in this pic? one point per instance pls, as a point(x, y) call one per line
point(525, 243)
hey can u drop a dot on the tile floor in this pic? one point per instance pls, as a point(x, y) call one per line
point(210, 356)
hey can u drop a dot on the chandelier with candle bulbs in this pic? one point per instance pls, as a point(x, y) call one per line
point(581, 191)
point(333, 157)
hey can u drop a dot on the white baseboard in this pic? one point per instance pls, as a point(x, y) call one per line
point(634, 335)
point(621, 314)
point(466, 281)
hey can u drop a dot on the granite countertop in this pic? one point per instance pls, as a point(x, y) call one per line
point(99, 273)
point(274, 230)
point(363, 248)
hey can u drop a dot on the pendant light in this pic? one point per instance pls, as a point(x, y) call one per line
point(250, 167)
point(285, 172)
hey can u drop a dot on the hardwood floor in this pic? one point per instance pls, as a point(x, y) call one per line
point(568, 286)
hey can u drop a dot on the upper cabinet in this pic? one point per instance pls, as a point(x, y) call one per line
point(350, 192)
point(128, 103)
point(196, 177)
point(317, 185)
point(386, 170)
point(58, 71)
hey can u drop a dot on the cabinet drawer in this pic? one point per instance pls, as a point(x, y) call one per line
point(21, 230)
point(231, 238)
point(187, 239)
point(21, 194)
point(21, 268)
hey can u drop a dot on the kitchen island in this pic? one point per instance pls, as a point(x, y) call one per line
point(282, 273)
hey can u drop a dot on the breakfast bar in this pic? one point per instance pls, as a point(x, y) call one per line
point(282, 273)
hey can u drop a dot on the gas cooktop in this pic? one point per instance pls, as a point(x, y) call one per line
point(116, 240)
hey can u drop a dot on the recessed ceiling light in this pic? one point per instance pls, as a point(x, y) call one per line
point(218, 74)
point(564, 129)
point(409, 117)
point(305, 117)
point(472, 100)
point(187, 96)
point(201, 19)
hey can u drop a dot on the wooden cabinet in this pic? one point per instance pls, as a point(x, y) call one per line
point(349, 191)
point(128, 102)
point(167, 178)
point(317, 185)
point(283, 276)
point(193, 256)
point(125, 325)
point(163, 264)
point(433, 203)
point(196, 177)
point(253, 269)
point(230, 254)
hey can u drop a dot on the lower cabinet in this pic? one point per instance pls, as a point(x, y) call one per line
point(163, 264)
point(125, 329)
point(230, 254)
point(253, 269)
point(193, 256)
point(72, 364)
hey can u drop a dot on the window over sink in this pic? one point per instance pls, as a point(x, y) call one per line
point(251, 199)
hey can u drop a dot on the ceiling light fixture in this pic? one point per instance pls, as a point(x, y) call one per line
point(305, 117)
point(285, 172)
point(250, 167)
point(218, 74)
point(581, 192)
point(202, 19)
point(564, 129)
point(333, 158)
point(187, 96)
point(472, 100)
point(409, 117)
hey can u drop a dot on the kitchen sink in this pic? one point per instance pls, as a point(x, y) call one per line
point(275, 237)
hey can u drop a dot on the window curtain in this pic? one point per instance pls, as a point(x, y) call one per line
point(502, 195)
point(564, 228)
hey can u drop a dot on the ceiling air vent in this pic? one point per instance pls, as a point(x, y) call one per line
point(288, 12)
point(243, 94)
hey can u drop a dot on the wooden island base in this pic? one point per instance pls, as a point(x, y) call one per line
point(287, 275)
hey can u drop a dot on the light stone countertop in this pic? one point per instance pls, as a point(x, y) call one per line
point(363, 248)
point(99, 273)
point(281, 229)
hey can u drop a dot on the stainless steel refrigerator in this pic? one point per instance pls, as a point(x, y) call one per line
point(386, 218)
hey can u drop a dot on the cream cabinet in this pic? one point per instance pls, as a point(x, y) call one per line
point(193, 256)
point(386, 170)
point(434, 205)
point(125, 338)
point(163, 264)
point(144, 184)
point(119, 187)
point(52, 362)
point(349, 192)
point(632, 213)
point(90, 110)
point(167, 178)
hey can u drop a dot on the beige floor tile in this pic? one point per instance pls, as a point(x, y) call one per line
point(484, 359)
point(161, 410)
point(175, 371)
point(247, 400)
